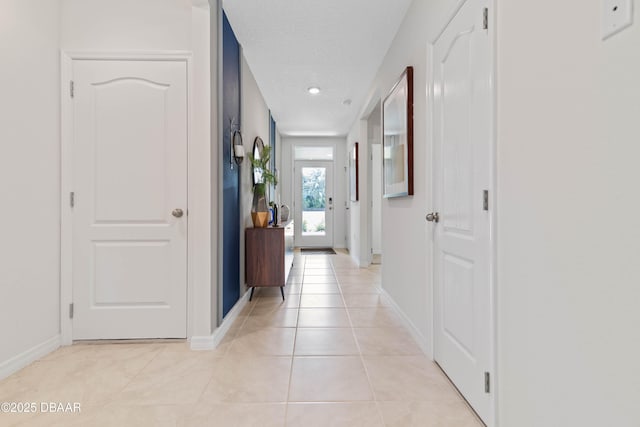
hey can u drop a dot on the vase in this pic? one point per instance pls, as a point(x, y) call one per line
point(260, 207)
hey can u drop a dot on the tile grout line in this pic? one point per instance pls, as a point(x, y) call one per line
point(364, 366)
point(293, 350)
point(162, 350)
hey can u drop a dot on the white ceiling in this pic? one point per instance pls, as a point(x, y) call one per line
point(336, 45)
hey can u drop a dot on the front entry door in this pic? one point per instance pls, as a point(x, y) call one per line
point(314, 204)
point(462, 247)
point(130, 199)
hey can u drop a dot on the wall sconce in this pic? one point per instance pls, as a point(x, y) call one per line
point(237, 147)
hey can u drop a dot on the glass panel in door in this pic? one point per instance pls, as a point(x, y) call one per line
point(314, 204)
point(314, 192)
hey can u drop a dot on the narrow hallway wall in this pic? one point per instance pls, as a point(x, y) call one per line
point(568, 235)
point(29, 180)
point(406, 272)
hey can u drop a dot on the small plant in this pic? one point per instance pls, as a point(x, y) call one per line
point(261, 165)
point(320, 227)
point(305, 225)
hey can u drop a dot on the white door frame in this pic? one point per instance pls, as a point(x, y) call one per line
point(292, 162)
point(330, 209)
point(66, 171)
point(493, 206)
point(370, 166)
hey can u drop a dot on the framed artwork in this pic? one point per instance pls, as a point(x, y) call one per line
point(353, 173)
point(397, 124)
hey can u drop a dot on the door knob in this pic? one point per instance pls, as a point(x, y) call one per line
point(433, 217)
point(177, 213)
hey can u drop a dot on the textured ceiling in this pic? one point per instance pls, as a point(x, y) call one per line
point(336, 45)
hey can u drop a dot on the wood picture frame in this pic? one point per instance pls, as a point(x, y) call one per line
point(397, 142)
point(353, 174)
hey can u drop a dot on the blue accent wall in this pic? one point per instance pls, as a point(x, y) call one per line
point(231, 176)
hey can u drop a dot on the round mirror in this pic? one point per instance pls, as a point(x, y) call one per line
point(258, 146)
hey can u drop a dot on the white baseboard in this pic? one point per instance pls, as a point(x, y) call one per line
point(25, 358)
point(201, 342)
point(209, 342)
point(413, 330)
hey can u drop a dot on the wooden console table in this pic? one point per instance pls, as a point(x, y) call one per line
point(268, 256)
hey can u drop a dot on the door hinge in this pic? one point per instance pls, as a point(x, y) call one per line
point(72, 89)
point(72, 199)
point(485, 18)
point(487, 382)
point(485, 200)
point(71, 311)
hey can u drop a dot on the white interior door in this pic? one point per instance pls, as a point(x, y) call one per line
point(314, 204)
point(462, 247)
point(130, 185)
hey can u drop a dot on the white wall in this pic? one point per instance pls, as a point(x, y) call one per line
point(127, 25)
point(376, 198)
point(374, 178)
point(201, 170)
point(406, 271)
point(568, 234)
point(278, 164)
point(358, 239)
point(340, 196)
point(29, 176)
point(255, 122)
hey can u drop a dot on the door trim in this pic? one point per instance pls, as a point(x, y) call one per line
point(309, 142)
point(66, 174)
point(321, 163)
point(493, 205)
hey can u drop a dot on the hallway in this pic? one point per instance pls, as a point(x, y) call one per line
point(333, 353)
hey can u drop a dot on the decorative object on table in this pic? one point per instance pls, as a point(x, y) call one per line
point(262, 177)
point(353, 173)
point(259, 209)
point(274, 214)
point(397, 122)
point(284, 213)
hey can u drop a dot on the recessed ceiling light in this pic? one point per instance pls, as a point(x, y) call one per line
point(314, 90)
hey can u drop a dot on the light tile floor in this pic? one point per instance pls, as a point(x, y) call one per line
point(333, 354)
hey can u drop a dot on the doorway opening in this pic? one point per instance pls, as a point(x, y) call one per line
point(313, 201)
point(374, 140)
